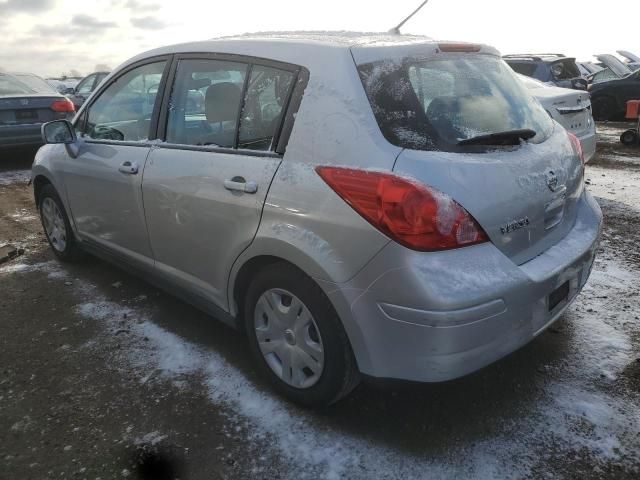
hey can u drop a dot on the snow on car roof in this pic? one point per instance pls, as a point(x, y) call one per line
point(307, 48)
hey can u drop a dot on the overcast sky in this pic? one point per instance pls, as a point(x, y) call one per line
point(48, 37)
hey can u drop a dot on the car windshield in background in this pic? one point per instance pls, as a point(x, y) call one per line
point(36, 84)
point(10, 86)
point(442, 104)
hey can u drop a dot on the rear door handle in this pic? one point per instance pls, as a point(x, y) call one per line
point(239, 184)
point(128, 167)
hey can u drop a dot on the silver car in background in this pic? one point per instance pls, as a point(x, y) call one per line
point(570, 108)
point(377, 205)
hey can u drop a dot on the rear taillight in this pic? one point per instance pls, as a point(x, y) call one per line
point(577, 146)
point(61, 106)
point(414, 215)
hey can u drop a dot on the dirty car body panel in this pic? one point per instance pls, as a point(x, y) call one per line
point(205, 213)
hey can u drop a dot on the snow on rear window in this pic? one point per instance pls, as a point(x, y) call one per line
point(435, 104)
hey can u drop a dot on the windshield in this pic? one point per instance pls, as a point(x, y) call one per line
point(437, 104)
point(34, 83)
point(11, 86)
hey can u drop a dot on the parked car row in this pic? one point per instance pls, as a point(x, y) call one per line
point(357, 204)
point(610, 81)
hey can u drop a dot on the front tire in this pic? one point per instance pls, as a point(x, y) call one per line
point(297, 338)
point(57, 227)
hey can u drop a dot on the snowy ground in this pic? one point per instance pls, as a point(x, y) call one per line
point(100, 369)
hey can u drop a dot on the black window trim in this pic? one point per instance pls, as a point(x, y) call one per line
point(155, 115)
point(282, 134)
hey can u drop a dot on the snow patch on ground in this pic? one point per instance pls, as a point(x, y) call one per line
point(573, 414)
point(11, 177)
point(22, 215)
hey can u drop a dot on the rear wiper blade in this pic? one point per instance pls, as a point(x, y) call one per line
point(511, 137)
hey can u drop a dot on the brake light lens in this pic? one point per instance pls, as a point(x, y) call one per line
point(414, 215)
point(577, 146)
point(459, 47)
point(62, 106)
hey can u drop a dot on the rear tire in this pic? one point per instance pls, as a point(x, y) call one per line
point(630, 137)
point(278, 287)
point(57, 227)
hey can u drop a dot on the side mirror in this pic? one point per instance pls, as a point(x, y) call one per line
point(69, 91)
point(58, 131)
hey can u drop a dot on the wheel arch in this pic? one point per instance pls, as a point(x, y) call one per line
point(39, 181)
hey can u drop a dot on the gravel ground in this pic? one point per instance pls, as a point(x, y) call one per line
point(103, 376)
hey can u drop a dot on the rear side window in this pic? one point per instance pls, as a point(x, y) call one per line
point(227, 104)
point(437, 104)
point(264, 104)
point(205, 103)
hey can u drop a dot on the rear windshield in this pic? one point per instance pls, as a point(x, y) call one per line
point(35, 83)
point(11, 86)
point(436, 104)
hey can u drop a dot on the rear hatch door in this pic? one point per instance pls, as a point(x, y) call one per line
point(473, 131)
point(526, 200)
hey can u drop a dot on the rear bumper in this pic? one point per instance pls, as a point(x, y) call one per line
point(437, 316)
point(588, 142)
point(20, 135)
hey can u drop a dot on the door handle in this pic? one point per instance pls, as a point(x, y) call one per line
point(128, 167)
point(239, 184)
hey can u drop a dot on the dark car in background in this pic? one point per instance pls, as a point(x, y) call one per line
point(26, 102)
point(85, 87)
point(609, 98)
point(553, 68)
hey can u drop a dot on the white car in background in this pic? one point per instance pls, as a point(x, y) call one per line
point(570, 108)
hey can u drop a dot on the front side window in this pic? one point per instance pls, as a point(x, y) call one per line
point(446, 104)
point(123, 111)
point(266, 98)
point(205, 103)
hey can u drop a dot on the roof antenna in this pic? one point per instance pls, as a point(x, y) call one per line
point(396, 30)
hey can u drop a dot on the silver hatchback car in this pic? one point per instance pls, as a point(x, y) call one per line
point(375, 205)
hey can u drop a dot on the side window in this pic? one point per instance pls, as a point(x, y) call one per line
point(205, 103)
point(123, 111)
point(264, 103)
point(86, 85)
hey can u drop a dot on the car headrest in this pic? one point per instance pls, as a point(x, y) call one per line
point(221, 102)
